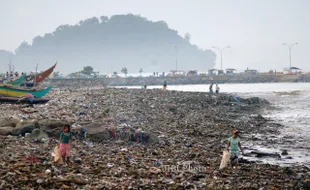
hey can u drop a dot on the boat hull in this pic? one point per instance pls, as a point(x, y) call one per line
point(11, 92)
point(39, 77)
point(18, 81)
point(15, 100)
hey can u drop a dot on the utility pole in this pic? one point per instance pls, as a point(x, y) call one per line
point(176, 58)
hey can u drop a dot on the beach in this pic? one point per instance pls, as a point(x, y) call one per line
point(185, 135)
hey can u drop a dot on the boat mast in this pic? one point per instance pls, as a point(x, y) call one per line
point(34, 83)
point(10, 68)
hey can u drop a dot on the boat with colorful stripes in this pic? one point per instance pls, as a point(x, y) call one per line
point(10, 91)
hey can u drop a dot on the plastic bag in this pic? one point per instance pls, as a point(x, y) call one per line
point(225, 159)
point(57, 158)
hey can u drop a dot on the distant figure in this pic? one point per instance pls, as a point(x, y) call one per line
point(143, 86)
point(211, 88)
point(16, 74)
point(217, 89)
point(11, 75)
point(4, 79)
point(165, 86)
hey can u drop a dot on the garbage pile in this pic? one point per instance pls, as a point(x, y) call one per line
point(136, 139)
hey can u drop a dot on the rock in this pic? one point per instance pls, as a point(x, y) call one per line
point(38, 134)
point(23, 129)
point(265, 154)
point(284, 153)
point(65, 186)
point(151, 138)
point(53, 123)
point(6, 130)
point(289, 157)
point(288, 171)
point(26, 122)
point(97, 131)
point(100, 132)
point(4, 122)
point(52, 127)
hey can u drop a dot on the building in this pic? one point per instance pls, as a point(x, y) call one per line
point(230, 71)
point(192, 73)
point(177, 73)
point(292, 70)
point(251, 71)
point(213, 72)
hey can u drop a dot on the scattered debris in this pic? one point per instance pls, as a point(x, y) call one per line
point(125, 139)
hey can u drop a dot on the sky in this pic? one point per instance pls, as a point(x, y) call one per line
point(255, 29)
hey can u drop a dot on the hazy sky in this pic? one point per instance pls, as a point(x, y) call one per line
point(255, 29)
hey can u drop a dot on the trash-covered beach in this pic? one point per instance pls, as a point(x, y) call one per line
point(137, 139)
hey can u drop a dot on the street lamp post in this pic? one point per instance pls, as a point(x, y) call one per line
point(176, 57)
point(290, 46)
point(221, 51)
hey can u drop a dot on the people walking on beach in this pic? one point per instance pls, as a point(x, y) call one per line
point(217, 89)
point(143, 86)
point(234, 145)
point(211, 88)
point(65, 143)
point(165, 86)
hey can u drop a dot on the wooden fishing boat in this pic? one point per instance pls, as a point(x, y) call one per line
point(18, 80)
point(9, 91)
point(42, 76)
point(39, 77)
point(16, 100)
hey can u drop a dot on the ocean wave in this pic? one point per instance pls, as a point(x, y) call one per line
point(290, 93)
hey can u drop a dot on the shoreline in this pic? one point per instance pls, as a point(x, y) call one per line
point(191, 128)
point(180, 80)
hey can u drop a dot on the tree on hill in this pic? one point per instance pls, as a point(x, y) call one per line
point(125, 71)
point(55, 74)
point(88, 70)
point(187, 37)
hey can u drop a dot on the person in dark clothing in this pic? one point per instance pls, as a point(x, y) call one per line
point(211, 88)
